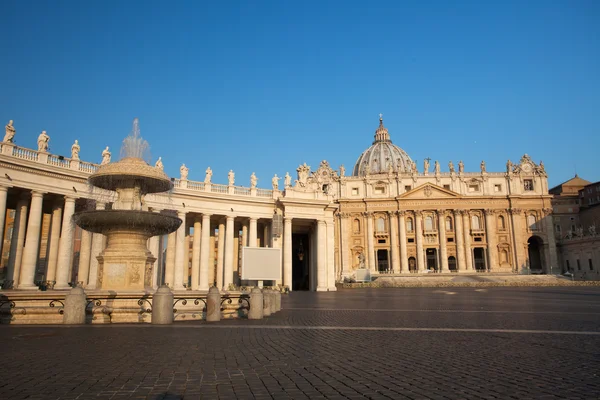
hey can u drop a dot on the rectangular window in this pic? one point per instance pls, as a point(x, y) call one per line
point(407, 188)
point(478, 239)
point(590, 264)
point(379, 190)
point(578, 265)
point(528, 185)
point(381, 241)
point(447, 187)
point(450, 240)
point(497, 188)
point(473, 188)
point(557, 227)
point(354, 191)
point(411, 240)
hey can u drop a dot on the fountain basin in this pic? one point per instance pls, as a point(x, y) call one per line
point(106, 221)
point(131, 172)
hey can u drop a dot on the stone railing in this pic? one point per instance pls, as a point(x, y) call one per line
point(26, 154)
point(217, 188)
point(264, 193)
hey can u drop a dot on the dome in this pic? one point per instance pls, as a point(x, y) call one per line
point(381, 155)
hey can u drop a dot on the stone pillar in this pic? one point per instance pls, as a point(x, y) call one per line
point(154, 247)
point(97, 248)
point(518, 246)
point(75, 303)
point(287, 252)
point(344, 244)
point(370, 245)
point(16, 242)
point(331, 256)
point(65, 246)
point(180, 252)
point(441, 214)
point(490, 233)
point(459, 236)
point(467, 236)
point(421, 267)
point(321, 256)
point(170, 261)
point(204, 252)
point(228, 263)
point(403, 251)
point(32, 243)
point(213, 305)
point(266, 302)
point(553, 259)
point(196, 255)
point(394, 241)
point(54, 240)
point(3, 195)
point(83, 270)
point(256, 304)
point(252, 235)
point(162, 306)
point(245, 240)
point(220, 251)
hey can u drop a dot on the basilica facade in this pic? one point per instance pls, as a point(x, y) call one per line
point(386, 216)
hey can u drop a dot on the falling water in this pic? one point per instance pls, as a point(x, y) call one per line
point(134, 145)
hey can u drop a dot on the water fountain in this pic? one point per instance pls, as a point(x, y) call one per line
point(126, 263)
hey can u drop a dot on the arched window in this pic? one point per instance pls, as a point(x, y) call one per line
point(409, 224)
point(501, 223)
point(475, 222)
point(429, 223)
point(380, 227)
point(504, 256)
point(356, 226)
point(532, 222)
point(448, 223)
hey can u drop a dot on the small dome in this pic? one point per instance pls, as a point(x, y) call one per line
point(381, 155)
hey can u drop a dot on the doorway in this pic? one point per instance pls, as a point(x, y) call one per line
point(432, 264)
point(479, 258)
point(382, 261)
point(534, 245)
point(300, 262)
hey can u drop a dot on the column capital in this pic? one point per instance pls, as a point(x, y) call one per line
point(515, 211)
point(206, 215)
point(256, 219)
point(368, 214)
point(3, 188)
point(418, 213)
point(321, 222)
point(230, 218)
point(35, 193)
point(441, 212)
point(69, 198)
point(402, 213)
point(287, 220)
point(393, 213)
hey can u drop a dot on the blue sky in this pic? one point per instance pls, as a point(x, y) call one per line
point(266, 86)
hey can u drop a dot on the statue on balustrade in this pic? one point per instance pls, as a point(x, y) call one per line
point(461, 167)
point(482, 165)
point(183, 171)
point(231, 177)
point(275, 182)
point(436, 167)
point(426, 166)
point(208, 176)
point(42, 141)
point(413, 168)
point(105, 156)
point(75, 150)
point(302, 171)
point(287, 181)
point(342, 170)
point(10, 132)
point(451, 166)
point(509, 167)
point(159, 164)
point(253, 180)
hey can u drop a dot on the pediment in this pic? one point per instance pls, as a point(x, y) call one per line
point(429, 191)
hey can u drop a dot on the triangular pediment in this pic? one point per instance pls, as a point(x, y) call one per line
point(429, 191)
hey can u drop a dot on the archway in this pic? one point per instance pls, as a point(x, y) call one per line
point(452, 263)
point(300, 262)
point(534, 250)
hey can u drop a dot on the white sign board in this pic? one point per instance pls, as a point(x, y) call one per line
point(261, 264)
point(363, 275)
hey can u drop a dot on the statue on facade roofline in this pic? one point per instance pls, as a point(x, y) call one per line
point(461, 167)
point(303, 171)
point(436, 167)
point(541, 168)
point(451, 166)
point(231, 177)
point(105, 156)
point(275, 182)
point(42, 141)
point(342, 170)
point(509, 166)
point(208, 176)
point(413, 167)
point(159, 164)
point(183, 170)
point(10, 132)
point(253, 180)
point(482, 165)
point(75, 150)
point(426, 166)
point(287, 182)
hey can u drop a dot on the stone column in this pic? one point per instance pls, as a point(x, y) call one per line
point(83, 270)
point(54, 240)
point(245, 234)
point(220, 251)
point(321, 256)
point(287, 252)
point(180, 252)
point(490, 233)
point(196, 255)
point(204, 252)
point(3, 195)
point(228, 263)
point(460, 248)
point(403, 251)
point(65, 246)
point(97, 248)
point(16, 242)
point(441, 214)
point(553, 259)
point(394, 241)
point(330, 256)
point(518, 247)
point(32, 243)
point(370, 244)
point(467, 236)
point(419, 237)
point(170, 261)
point(252, 235)
point(344, 244)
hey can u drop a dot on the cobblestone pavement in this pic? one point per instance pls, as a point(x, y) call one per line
point(459, 343)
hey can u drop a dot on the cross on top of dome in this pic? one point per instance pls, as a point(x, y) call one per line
point(381, 134)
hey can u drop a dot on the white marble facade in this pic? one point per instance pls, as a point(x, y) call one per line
point(387, 216)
